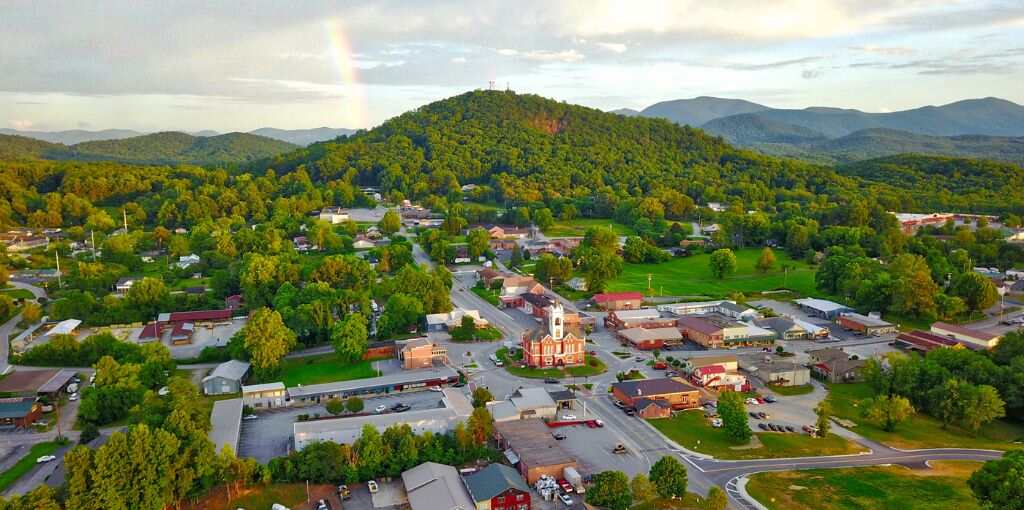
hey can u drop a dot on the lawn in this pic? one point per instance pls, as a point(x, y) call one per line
point(691, 276)
point(890, 487)
point(491, 296)
point(593, 367)
point(579, 226)
point(26, 463)
point(920, 431)
point(322, 369)
point(291, 495)
point(687, 502)
point(789, 391)
point(691, 430)
point(16, 293)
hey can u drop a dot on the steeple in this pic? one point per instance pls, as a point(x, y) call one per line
point(556, 321)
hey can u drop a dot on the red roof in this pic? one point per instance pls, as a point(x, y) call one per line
point(200, 315)
point(710, 369)
point(152, 330)
point(617, 296)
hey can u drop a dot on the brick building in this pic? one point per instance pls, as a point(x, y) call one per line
point(618, 300)
point(553, 346)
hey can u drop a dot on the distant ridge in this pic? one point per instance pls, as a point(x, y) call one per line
point(77, 136)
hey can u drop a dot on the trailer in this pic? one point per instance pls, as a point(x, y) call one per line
point(573, 477)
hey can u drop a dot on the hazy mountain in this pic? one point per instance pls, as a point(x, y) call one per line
point(73, 136)
point(748, 129)
point(303, 136)
point(23, 147)
point(628, 112)
point(699, 110)
point(174, 147)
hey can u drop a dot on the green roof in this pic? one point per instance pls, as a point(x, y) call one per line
point(492, 481)
point(16, 407)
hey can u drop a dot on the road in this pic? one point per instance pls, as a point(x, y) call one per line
point(9, 326)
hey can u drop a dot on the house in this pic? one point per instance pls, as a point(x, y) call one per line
point(834, 365)
point(822, 307)
point(910, 222)
point(643, 317)
point(553, 346)
point(513, 287)
point(433, 486)
point(576, 283)
point(529, 447)
point(536, 304)
point(971, 337)
point(507, 231)
point(865, 324)
point(773, 371)
point(19, 412)
point(715, 331)
point(716, 377)
point(497, 245)
point(498, 487)
point(716, 206)
point(420, 353)
point(234, 302)
point(124, 284)
point(618, 300)
point(675, 392)
point(649, 339)
point(649, 409)
point(185, 261)
point(226, 378)
point(265, 395)
point(488, 276)
point(462, 255)
point(784, 327)
point(446, 321)
point(362, 243)
point(333, 215)
point(302, 244)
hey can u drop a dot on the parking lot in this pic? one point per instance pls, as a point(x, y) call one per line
point(270, 434)
point(797, 410)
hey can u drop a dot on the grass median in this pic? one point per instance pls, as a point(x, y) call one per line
point(593, 367)
point(691, 430)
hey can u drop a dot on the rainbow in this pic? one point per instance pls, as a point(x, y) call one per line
point(341, 54)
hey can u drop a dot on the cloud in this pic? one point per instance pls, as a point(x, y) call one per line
point(770, 65)
point(570, 55)
point(458, 60)
point(883, 50)
point(810, 74)
point(22, 124)
point(613, 47)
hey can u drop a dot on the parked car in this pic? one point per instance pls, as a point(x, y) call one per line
point(630, 411)
point(770, 399)
point(599, 423)
point(619, 404)
point(380, 409)
point(550, 380)
point(323, 505)
point(250, 417)
point(73, 397)
point(716, 423)
point(568, 416)
point(566, 486)
point(400, 407)
point(372, 486)
point(558, 435)
point(752, 401)
point(754, 415)
point(789, 428)
point(638, 358)
point(44, 459)
point(565, 499)
point(344, 492)
point(762, 426)
point(763, 415)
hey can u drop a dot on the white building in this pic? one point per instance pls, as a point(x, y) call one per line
point(334, 215)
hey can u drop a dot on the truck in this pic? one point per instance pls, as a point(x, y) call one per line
point(573, 477)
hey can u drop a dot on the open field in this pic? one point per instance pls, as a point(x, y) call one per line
point(920, 431)
point(691, 276)
point(579, 226)
point(687, 428)
point(594, 366)
point(892, 487)
point(322, 369)
point(789, 391)
point(26, 463)
point(291, 495)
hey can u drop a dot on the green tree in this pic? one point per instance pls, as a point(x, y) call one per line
point(478, 240)
point(481, 425)
point(999, 484)
point(354, 404)
point(266, 340)
point(669, 477)
point(349, 337)
point(982, 404)
point(601, 268)
point(610, 489)
point(824, 421)
point(543, 218)
point(335, 406)
point(887, 411)
point(481, 396)
point(517, 256)
point(977, 291)
point(716, 500)
point(147, 295)
point(949, 307)
point(766, 261)
point(31, 313)
point(734, 417)
point(642, 488)
point(915, 291)
point(722, 263)
point(400, 313)
point(390, 223)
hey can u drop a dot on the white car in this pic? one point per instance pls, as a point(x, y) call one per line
point(752, 401)
point(250, 417)
point(381, 408)
point(372, 485)
point(568, 416)
point(73, 397)
point(566, 500)
point(45, 458)
point(716, 423)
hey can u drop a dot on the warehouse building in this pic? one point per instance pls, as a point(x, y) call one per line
point(529, 447)
point(865, 324)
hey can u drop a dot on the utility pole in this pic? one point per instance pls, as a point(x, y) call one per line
point(92, 233)
point(649, 276)
point(124, 213)
point(56, 253)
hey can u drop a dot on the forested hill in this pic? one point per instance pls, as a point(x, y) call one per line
point(158, 148)
point(526, 148)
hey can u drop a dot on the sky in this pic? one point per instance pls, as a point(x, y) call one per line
point(241, 65)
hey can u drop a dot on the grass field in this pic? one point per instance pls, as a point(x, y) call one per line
point(579, 226)
point(322, 369)
point(883, 488)
point(689, 428)
point(291, 495)
point(920, 431)
point(26, 463)
point(691, 276)
point(593, 367)
point(489, 295)
point(789, 391)
point(16, 293)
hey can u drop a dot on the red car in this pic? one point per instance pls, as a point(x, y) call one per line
point(660, 365)
point(566, 486)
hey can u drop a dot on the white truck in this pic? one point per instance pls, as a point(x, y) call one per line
point(573, 477)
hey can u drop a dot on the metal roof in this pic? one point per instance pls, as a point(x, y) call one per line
point(403, 377)
point(58, 381)
point(233, 369)
point(648, 387)
point(225, 421)
point(64, 327)
point(253, 388)
point(822, 305)
point(433, 486)
point(494, 480)
point(17, 407)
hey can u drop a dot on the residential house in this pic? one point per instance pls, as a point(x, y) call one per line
point(226, 378)
point(675, 392)
point(302, 244)
point(19, 412)
point(728, 362)
point(234, 302)
point(420, 353)
point(507, 232)
point(488, 275)
point(186, 261)
point(498, 487)
point(124, 284)
point(552, 346)
point(834, 365)
point(433, 486)
point(362, 243)
point(971, 337)
point(446, 321)
point(576, 283)
point(513, 287)
point(618, 300)
point(497, 245)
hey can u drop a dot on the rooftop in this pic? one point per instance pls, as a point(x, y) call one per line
point(26, 381)
point(643, 313)
point(64, 327)
point(58, 381)
point(648, 387)
point(233, 369)
point(225, 421)
point(822, 305)
point(403, 377)
point(492, 481)
point(254, 388)
point(618, 296)
point(871, 322)
point(532, 398)
point(977, 334)
point(641, 334)
point(532, 442)
point(16, 407)
point(703, 361)
point(433, 486)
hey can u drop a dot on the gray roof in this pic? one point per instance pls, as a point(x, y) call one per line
point(57, 381)
point(16, 407)
point(403, 377)
point(234, 370)
point(647, 387)
point(532, 398)
point(225, 421)
point(433, 486)
point(822, 305)
point(503, 410)
point(492, 481)
point(729, 305)
point(561, 395)
point(870, 322)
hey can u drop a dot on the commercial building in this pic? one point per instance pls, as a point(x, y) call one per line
point(182, 325)
point(405, 380)
point(513, 287)
point(643, 317)
point(675, 392)
point(618, 300)
point(333, 215)
point(19, 412)
point(265, 395)
point(649, 339)
point(718, 378)
point(225, 424)
point(784, 327)
point(971, 337)
point(226, 378)
point(723, 307)
point(32, 383)
point(715, 331)
point(534, 403)
point(536, 304)
point(553, 346)
point(834, 365)
point(433, 486)
point(447, 320)
point(420, 353)
point(455, 409)
point(925, 341)
point(650, 409)
point(865, 324)
point(728, 362)
point(498, 487)
point(529, 447)
point(822, 307)
point(773, 371)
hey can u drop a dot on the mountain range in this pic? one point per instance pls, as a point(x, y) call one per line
point(988, 127)
point(166, 148)
point(76, 136)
